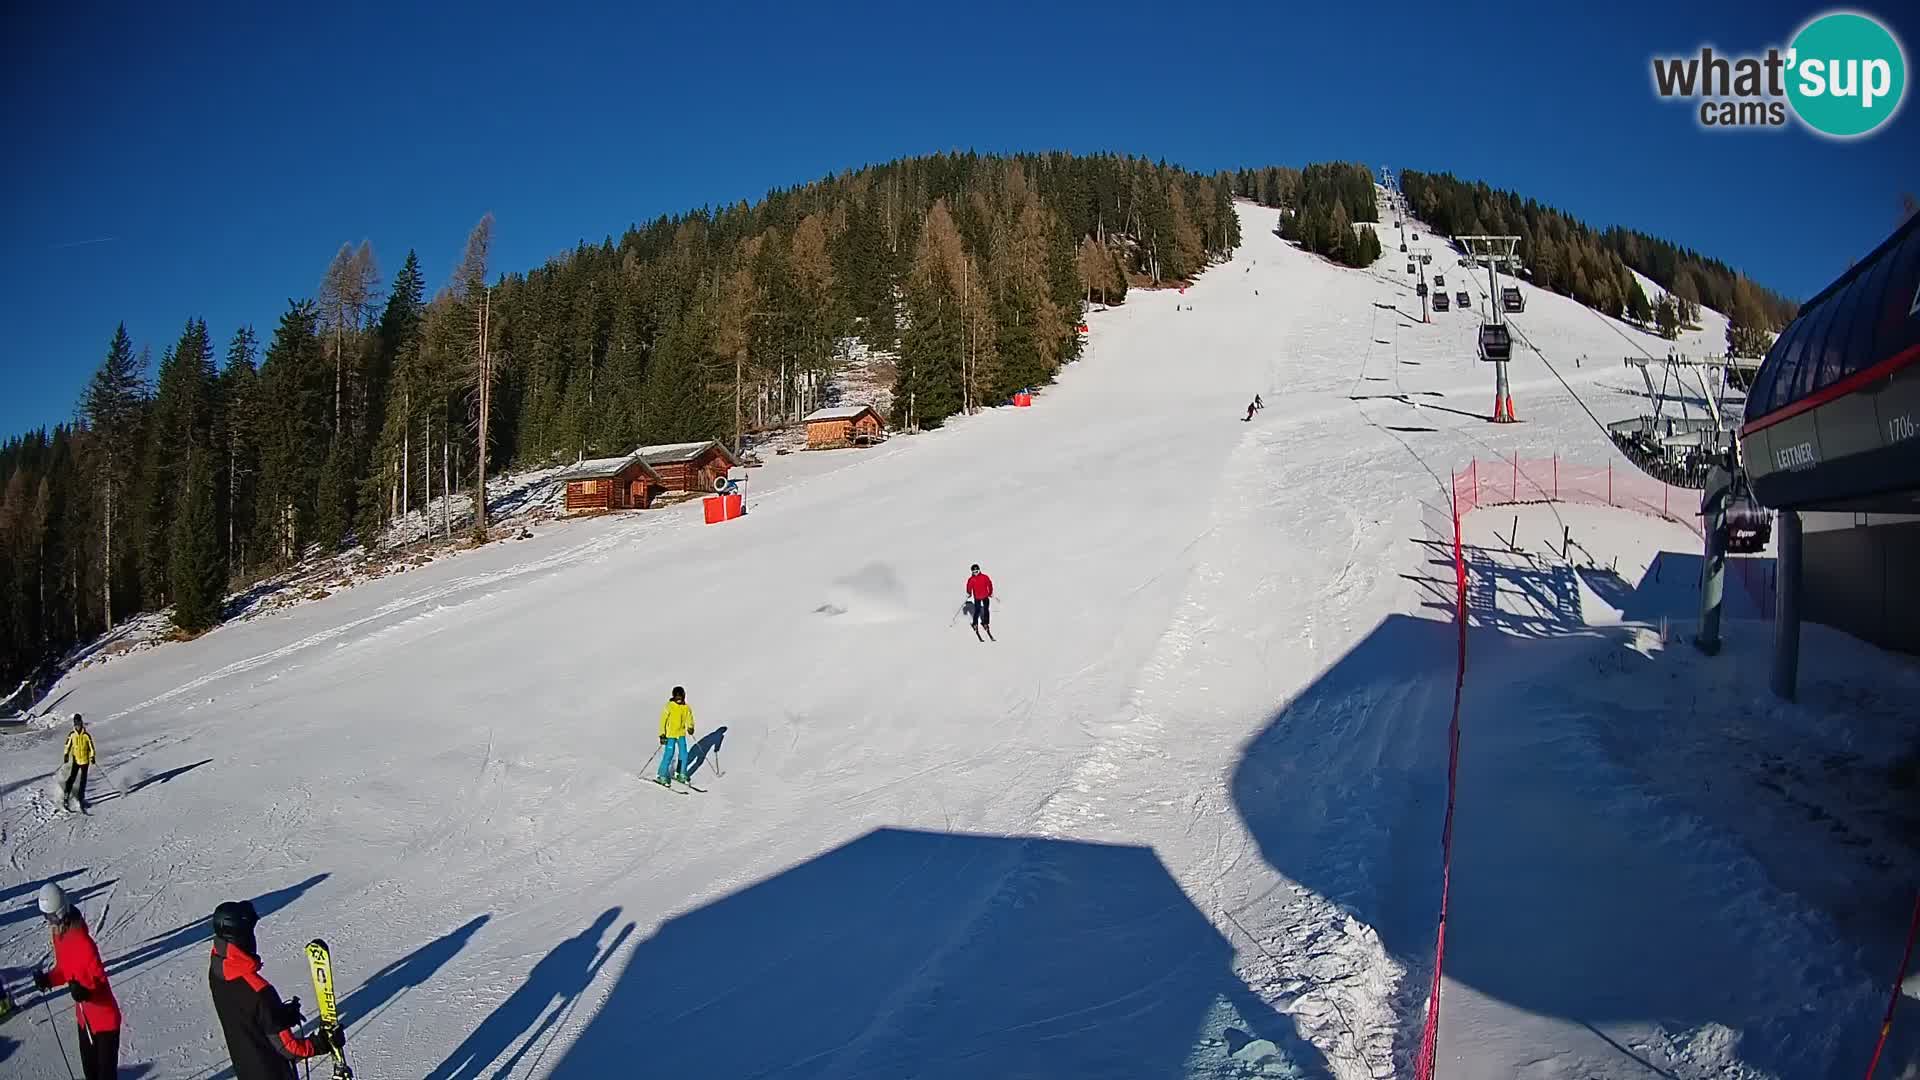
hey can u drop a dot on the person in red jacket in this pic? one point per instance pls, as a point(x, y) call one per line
point(77, 966)
point(979, 602)
point(258, 1025)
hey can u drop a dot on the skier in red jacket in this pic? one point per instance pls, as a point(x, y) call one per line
point(77, 966)
point(979, 602)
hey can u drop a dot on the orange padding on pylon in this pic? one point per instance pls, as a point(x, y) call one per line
point(716, 508)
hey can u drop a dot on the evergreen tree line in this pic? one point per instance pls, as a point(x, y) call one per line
point(1590, 265)
point(182, 480)
point(1321, 207)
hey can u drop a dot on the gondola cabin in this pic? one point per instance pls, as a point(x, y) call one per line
point(1510, 298)
point(1462, 300)
point(1496, 344)
point(622, 483)
point(853, 425)
point(688, 466)
point(1439, 300)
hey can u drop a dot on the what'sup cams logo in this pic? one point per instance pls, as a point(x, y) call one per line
point(1843, 76)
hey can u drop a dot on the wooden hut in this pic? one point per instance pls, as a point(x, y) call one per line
point(852, 425)
point(689, 466)
point(622, 483)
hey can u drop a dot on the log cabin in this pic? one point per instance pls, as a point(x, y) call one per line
point(851, 425)
point(688, 466)
point(622, 483)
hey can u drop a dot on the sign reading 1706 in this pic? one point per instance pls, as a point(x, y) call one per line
point(1843, 76)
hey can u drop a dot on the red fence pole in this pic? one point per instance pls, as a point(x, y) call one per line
point(1609, 483)
point(1515, 496)
point(1556, 475)
point(1886, 1024)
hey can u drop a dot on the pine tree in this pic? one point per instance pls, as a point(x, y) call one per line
point(1638, 309)
point(1666, 318)
point(197, 570)
point(182, 423)
point(114, 406)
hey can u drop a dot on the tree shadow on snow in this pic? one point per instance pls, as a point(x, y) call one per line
point(538, 1006)
point(1344, 793)
point(908, 953)
point(162, 946)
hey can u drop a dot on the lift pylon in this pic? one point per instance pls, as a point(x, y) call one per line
point(1496, 249)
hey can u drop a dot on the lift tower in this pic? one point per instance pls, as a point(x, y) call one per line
point(1495, 339)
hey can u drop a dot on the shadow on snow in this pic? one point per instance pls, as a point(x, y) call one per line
point(907, 953)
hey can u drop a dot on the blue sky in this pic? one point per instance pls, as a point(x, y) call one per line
point(170, 162)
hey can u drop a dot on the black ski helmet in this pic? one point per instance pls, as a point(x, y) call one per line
point(976, 569)
point(233, 921)
point(679, 692)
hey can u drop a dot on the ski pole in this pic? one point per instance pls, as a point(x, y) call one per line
point(650, 757)
point(53, 1022)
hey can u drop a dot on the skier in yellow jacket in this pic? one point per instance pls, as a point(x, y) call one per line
point(676, 723)
point(78, 756)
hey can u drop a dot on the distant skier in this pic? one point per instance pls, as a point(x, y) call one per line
point(1249, 416)
point(676, 723)
point(980, 602)
point(77, 758)
point(258, 1025)
point(1257, 403)
point(77, 966)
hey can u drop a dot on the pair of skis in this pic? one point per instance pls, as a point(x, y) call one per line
point(320, 960)
point(669, 786)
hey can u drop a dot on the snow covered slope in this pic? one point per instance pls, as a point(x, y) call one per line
point(1181, 819)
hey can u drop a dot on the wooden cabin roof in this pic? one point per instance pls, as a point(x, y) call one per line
point(845, 412)
point(602, 468)
point(677, 453)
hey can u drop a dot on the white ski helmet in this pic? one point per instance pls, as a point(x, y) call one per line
point(53, 900)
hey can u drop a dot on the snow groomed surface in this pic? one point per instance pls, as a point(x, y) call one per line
point(1181, 819)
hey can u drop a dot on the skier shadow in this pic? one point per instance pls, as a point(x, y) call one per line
point(709, 744)
point(540, 1004)
point(361, 1007)
point(1344, 793)
point(31, 888)
point(30, 909)
point(162, 946)
point(163, 777)
point(929, 954)
point(390, 983)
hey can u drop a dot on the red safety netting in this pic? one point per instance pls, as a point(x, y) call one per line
point(1512, 481)
point(1430, 1033)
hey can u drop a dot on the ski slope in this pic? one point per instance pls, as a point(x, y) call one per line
point(1181, 819)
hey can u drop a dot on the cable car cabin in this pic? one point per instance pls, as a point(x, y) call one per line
point(1511, 299)
point(1403, 247)
point(1461, 300)
point(1439, 300)
point(1420, 289)
point(1440, 281)
point(1411, 268)
point(1496, 344)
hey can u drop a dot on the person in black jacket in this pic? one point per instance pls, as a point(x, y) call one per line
point(258, 1025)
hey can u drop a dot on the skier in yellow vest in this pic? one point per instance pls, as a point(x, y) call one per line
point(78, 756)
point(676, 723)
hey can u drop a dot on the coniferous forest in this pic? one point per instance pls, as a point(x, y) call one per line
point(185, 476)
point(1591, 265)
